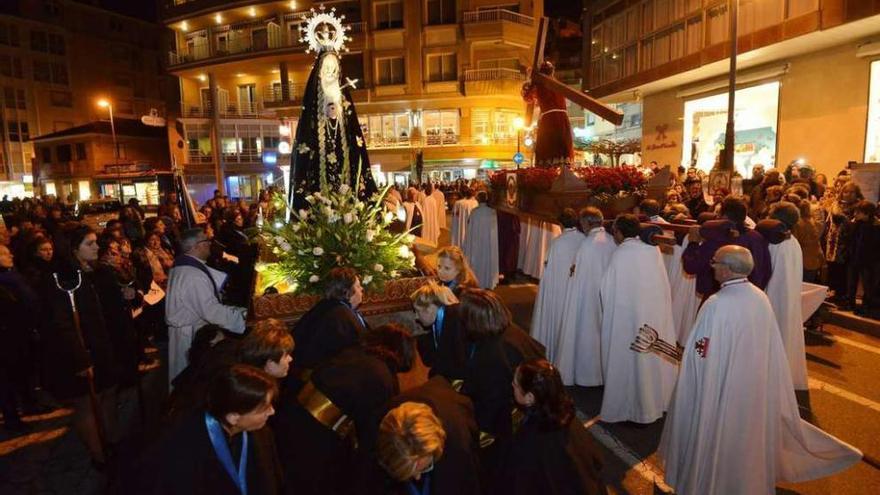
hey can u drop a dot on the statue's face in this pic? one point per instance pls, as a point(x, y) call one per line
point(331, 110)
point(330, 69)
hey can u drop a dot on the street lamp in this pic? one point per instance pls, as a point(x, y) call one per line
point(104, 103)
point(518, 124)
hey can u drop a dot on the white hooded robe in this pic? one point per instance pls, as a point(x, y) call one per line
point(685, 302)
point(733, 426)
point(550, 303)
point(784, 291)
point(540, 235)
point(461, 211)
point(430, 228)
point(578, 353)
point(635, 292)
point(481, 245)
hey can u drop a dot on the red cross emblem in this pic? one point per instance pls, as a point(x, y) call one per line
point(702, 346)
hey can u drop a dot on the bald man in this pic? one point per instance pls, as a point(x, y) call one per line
point(733, 425)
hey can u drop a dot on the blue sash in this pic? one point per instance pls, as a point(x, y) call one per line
point(426, 486)
point(221, 448)
point(438, 326)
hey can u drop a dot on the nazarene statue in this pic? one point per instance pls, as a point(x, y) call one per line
point(329, 149)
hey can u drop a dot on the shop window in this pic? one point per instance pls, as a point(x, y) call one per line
point(442, 67)
point(441, 127)
point(481, 129)
point(391, 71)
point(441, 12)
point(872, 140)
point(80, 151)
point(705, 121)
point(389, 15)
point(386, 129)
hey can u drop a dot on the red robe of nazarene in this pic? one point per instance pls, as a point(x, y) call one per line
point(553, 141)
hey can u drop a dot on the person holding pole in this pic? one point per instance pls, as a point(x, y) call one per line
point(80, 365)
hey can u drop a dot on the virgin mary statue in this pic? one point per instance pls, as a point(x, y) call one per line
point(329, 150)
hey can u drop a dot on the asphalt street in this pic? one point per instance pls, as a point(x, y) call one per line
point(843, 399)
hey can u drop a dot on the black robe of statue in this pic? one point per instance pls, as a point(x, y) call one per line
point(550, 462)
point(305, 159)
point(316, 459)
point(184, 463)
point(457, 471)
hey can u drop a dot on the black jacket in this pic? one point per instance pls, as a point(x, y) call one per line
point(450, 350)
point(550, 462)
point(330, 326)
point(316, 459)
point(184, 463)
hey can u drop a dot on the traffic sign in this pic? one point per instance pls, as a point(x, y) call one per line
point(518, 158)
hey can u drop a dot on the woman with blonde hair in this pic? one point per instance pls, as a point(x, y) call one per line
point(436, 309)
point(453, 269)
point(411, 440)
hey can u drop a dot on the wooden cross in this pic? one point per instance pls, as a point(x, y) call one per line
point(577, 97)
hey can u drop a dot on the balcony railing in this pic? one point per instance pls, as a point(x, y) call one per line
point(389, 142)
point(252, 111)
point(441, 139)
point(497, 15)
point(272, 95)
point(493, 75)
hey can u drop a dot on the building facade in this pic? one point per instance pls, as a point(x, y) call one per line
point(57, 59)
point(808, 79)
point(436, 77)
point(95, 159)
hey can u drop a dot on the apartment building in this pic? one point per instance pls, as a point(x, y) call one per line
point(808, 84)
point(436, 77)
point(57, 59)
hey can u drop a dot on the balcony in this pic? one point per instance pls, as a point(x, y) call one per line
point(255, 111)
point(273, 97)
point(502, 25)
point(498, 81)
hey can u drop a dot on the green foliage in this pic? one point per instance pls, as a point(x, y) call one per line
point(338, 230)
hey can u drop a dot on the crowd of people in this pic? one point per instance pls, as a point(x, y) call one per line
point(318, 407)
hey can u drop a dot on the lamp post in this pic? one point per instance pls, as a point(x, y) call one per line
point(729, 134)
point(518, 124)
point(103, 103)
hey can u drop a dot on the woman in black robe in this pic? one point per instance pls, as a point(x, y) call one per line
point(327, 432)
point(436, 309)
point(67, 362)
point(330, 149)
point(189, 460)
point(456, 471)
point(551, 453)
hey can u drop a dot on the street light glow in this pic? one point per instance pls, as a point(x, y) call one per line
point(218, 19)
point(519, 123)
point(292, 5)
point(103, 103)
point(202, 77)
point(184, 26)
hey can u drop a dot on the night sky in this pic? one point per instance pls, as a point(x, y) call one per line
point(141, 9)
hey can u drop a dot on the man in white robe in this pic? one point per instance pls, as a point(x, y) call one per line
point(784, 290)
point(193, 300)
point(733, 426)
point(550, 303)
point(461, 211)
point(578, 353)
point(683, 287)
point(481, 243)
point(430, 227)
point(634, 292)
point(540, 235)
point(440, 201)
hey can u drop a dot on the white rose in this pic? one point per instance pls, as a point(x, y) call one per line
point(313, 279)
point(348, 218)
point(310, 198)
point(328, 211)
point(295, 227)
point(378, 267)
point(389, 217)
point(344, 189)
point(367, 279)
point(370, 235)
point(410, 238)
point(303, 214)
point(318, 251)
point(404, 251)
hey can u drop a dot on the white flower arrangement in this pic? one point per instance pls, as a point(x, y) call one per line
point(338, 230)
